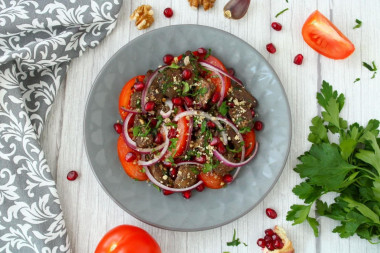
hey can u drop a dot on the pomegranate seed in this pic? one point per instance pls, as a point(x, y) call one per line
point(271, 49)
point(261, 242)
point(298, 59)
point(253, 113)
point(188, 101)
point(201, 159)
point(270, 246)
point(278, 244)
point(167, 192)
point(173, 173)
point(210, 124)
point(215, 141)
point(228, 178)
point(186, 74)
point(269, 232)
point(72, 175)
point(276, 26)
point(149, 106)
point(153, 122)
point(275, 237)
point(168, 58)
point(231, 71)
point(268, 238)
point(159, 139)
point(200, 187)
point(172, 133)
point(166, 164)
point(130, 157)
point(177, 101)
point(168, 12)
point(118, 128)
point(271, 213)
point(186, 194)
point(202, 51)
point(203, 73)
point(221, 148)
point(139, 86)
point(215, 97)
point(258, 125)
point(231, 104)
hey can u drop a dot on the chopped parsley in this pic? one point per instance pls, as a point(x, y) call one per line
point(278, 14)
point(210, 166)
point(357, 80)
point(244, 130)
point(235, 241)
point(208, 53)
point(158, 188)
point(200, 91)
point(372, 68)
point(174, 66)
point(171, 124)
point(203, 126)
point(194, 170)
point(235, 150)
point(223, 109)
point(186, 88)
point(173, 143)
point(358, 23)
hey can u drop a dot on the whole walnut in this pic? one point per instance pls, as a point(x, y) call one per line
point(143, 16)
point(207, 4)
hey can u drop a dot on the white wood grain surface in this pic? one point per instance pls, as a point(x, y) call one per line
point(89, 212)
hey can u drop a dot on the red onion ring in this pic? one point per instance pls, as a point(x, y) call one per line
point(189, 163)
point(163, 151)
point(148, 83)
point(129, 110)
point(130, 143)
point(222, 90)
point(216, 69)
point(221, 158)
point(167, 114)
point(189, 135)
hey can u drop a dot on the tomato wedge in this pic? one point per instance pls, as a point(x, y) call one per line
point(325, 38)
point(211, 180)
point(132, 169)
point(213, 76)
point(183, 132)
point(249, 142)
point(125, 95)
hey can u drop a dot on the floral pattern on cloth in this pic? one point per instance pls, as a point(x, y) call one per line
point(38, 38)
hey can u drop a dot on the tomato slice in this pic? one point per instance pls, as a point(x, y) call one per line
point(213, 76)
point(325, 38)
point(125, 95)
point(183, 132)
point(249, 142)
point(211, 180)
point(131, 168)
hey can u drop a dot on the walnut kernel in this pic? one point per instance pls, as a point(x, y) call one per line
point(207, 4)
point(143, 16)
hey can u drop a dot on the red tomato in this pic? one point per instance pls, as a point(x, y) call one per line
point(127, 239)
point(131, 168)
point(213, 76)
point(125, 95)
point(183, 132)
point(325, 38)
point(211, 180)
point(249, 142)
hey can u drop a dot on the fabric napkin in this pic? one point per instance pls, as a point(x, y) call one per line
point(38, 38)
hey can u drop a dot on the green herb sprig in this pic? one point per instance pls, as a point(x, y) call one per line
point(358, 24)
point(372, 68)
point(281, 12)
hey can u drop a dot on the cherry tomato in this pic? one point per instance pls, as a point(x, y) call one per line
point(125, 95)
point(183, 132)
point(249, 142)
point(127, 239)
point(211, 180)
point(325, 38)
point(132, 169)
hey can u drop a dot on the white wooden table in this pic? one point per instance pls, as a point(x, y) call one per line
point(89, 212)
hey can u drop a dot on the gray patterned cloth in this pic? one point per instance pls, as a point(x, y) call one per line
point(38, 38)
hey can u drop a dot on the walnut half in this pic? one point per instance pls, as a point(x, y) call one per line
point(143, 16)
point(207, 4)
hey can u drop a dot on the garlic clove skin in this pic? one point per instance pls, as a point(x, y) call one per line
point(236, 9)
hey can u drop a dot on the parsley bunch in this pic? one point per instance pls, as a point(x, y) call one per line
point(350, 168)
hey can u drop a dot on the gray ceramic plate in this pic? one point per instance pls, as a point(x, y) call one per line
point(211, 208)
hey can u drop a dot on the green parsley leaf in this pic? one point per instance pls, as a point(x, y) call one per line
point(372, 68)
point(298, 213)
point(186, 88)
point(314, 225)
point(208, 53)
point(136, 131)
point(278, 14)
point(358, 23)
point(357, 80)
point(307, 192)
point(203, 126)
point(207, 168)
point(235, 241)
point(318, 131)
point(223, 109)
point(174, 66)
point(158, 188)
point(244, 130)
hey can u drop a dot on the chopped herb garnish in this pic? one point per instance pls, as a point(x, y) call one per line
point(136, 131)
point(278, 14)
point(207, 168)
point(158, 188)
point(245, 244)
point(175, 110)
point(173, 143)
point(223, 109)
point(171, 124)
point(194, 170)
point(372, 68)
point(356, 80)
point(203, 126)
point(186, 88)
point(244, 130)
point(235, 241)
point(208, 53)
point(235, 150)
point(174, 66)
point(142, 170)
point(358, 23)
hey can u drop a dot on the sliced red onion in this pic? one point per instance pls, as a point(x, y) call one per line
point(162, 153)
point(205, 115)
point(222, 90)
point(216, 69)
point(167, 114)
point(221, 158)
point(132, 144)
point(129, 110)
point(189, 163)
point(148, 83)
point(162, 186)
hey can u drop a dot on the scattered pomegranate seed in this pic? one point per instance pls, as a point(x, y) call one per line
point(258, 125)
point(186, 74)
point(210, 124)
point(269, 232)
point(186, 194)
point(188, 101)
point(271, 49)
point(231, 71)
point(149, 106)
point(166, 164)
point(139, 86)
point(118, 128)
point(298, 59)
point(200, 159)
point(215, 97)
point(153, 122)
point(253, 113)
point(173, 173)
point(278, 244)
point(167, 192)
point(270, 246)
point(200, 187)
point(172, 133)
point(261, 242)
point(221, 148)
point(268, 238)
point(276, 26)
point(130, 157)
point(202, 51)
point(168, 12)
point(231, 104)
point(168, 58)
point(228, 178)
point(159, 139)
point(72, 175)
point(271, 213)
point(177, 101)
point(275, 237)
point(215, 141)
